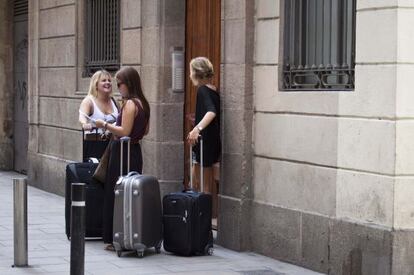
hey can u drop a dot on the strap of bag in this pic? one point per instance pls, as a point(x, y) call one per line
point(116, 104)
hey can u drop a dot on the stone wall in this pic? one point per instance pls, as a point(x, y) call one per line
point(163, 27)
point(332, 170)
point(57, 85)
point(54, 136)
point(321, 179)
point(6, 86)
point(237, 30)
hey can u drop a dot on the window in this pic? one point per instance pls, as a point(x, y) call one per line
point(318, 47)
point(20, 7)
point(102, 35)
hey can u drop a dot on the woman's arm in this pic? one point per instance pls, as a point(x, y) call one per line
point(207, 119)
point(128, 116)
point(86, 107)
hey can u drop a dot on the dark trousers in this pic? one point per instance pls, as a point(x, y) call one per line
point(111, 179)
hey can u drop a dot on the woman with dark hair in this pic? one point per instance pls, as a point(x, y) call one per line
point(133, 121)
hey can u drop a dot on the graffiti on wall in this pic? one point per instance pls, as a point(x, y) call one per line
point(21, 89)
point(20, 83)
point(21, 53)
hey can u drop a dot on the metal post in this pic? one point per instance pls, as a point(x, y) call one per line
point(77, 230)
point(20, 222)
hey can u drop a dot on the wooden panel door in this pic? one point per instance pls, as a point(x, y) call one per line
point(203, 19)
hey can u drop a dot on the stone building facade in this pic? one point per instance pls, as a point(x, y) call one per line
point(319, 179)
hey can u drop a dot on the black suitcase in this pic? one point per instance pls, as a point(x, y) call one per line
point(187, 220)
point(94, 192)
point(83, 172)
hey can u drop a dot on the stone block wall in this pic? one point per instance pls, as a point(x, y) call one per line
point(54, 133)
point(321, 179)
point(163, 28)
point(237, 31)
point(149, 29)
point(342, 159)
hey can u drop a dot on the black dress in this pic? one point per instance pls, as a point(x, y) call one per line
point(208, 100)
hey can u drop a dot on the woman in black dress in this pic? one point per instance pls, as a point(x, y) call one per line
point(207, 121)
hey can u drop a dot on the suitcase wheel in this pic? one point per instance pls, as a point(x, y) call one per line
point(119, 253)
point(140, 253)
point(158, 248)
point(209, 250)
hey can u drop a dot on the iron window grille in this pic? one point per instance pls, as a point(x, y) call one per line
point(20, 7)
point(318, 47)
point(102, 35)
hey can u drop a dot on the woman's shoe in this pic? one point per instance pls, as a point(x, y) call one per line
point(110, 247)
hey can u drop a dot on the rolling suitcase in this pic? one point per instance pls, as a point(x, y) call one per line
point(94, 192)
point(137, 211)
point(187, 219)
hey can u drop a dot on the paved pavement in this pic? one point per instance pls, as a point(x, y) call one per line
point(49, 249)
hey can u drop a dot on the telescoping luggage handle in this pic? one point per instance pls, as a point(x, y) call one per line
point(201, 164)
point(83, 142)
point(123, 140)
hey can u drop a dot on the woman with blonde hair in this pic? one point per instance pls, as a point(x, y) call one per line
point(207, 123)
point(98, 104)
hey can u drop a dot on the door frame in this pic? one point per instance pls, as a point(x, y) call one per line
point(199, 13)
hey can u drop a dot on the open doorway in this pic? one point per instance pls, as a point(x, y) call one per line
point(203, 21)
point(20, 57)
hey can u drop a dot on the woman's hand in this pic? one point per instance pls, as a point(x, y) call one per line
point(193, 136)
point(87, 126)
point(100, 123)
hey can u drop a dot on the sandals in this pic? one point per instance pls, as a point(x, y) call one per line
point(110, 247)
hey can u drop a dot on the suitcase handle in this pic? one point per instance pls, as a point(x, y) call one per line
point(201, 165)
point(133, 173)
point(122, 140)
point(83, 142)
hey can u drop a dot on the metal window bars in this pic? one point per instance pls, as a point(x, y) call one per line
point(20, 7)
point(319, 45)
point(102, 35)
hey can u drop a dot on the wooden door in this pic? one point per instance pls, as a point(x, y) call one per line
point(203, 19)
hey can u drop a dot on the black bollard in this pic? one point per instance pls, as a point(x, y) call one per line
point(77, 230)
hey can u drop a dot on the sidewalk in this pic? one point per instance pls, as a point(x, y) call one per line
point(49, 249)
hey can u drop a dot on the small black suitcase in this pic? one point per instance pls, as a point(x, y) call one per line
point(82, 172)
point(187, 220)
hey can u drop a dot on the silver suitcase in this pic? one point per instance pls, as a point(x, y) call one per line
point(137, 211)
